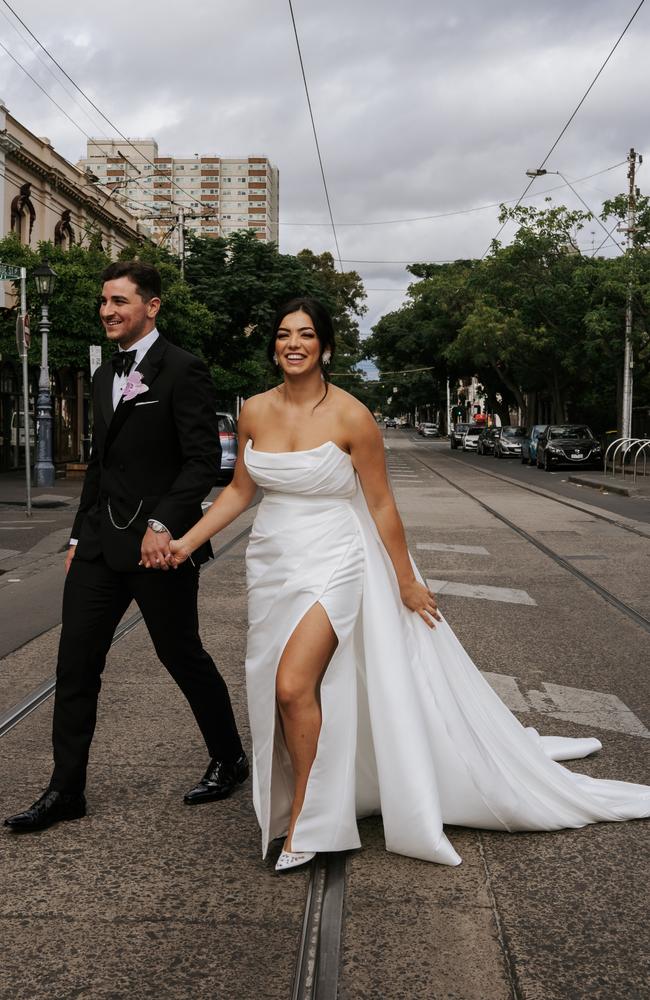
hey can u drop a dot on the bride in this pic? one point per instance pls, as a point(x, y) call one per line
point(361, 699)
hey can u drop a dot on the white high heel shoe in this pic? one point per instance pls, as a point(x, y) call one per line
point(293, 859)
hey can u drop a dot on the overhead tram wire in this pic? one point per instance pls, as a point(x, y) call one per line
point(63, 111)
point(88, 230)
point(383, 375)
point(313, 125)
point(570, 119)
point(459, 211)
point(90, 102)
point(608, 234)
point(34, 52)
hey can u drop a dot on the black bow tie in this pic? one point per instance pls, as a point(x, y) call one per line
point(123, 362)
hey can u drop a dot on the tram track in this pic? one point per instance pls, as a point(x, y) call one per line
point(548, 495)
point(317, 961)
point(592, 584)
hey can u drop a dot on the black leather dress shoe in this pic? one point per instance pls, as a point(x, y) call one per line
point(219, 781)
point(52, 807)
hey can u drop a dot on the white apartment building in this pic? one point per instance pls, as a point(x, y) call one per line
point(216, 195)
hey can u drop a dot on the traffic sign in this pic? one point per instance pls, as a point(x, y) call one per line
point(22, 334)
point(95, 358)
point(9, 273)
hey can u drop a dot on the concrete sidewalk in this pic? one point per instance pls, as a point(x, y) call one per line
point(13, 492)
point(625, 487)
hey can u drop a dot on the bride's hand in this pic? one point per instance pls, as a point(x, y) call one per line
point(416, 597)
point(178, 553)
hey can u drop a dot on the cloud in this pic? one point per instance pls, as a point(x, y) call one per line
point(420, 108)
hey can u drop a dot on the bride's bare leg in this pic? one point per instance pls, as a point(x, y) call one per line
point(303, 663)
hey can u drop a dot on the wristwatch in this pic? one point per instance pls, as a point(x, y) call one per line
point(157, 526)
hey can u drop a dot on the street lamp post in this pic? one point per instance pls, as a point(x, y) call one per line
point(44, 473)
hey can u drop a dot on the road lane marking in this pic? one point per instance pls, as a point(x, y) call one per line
point(480, 591)
point(569, 704)
point(470, 550)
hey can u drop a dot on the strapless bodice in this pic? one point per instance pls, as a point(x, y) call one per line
point(322, 472)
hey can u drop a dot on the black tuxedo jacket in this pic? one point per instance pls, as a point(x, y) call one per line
point(156, 456)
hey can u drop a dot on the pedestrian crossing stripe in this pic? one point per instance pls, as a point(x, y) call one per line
point(481, 592)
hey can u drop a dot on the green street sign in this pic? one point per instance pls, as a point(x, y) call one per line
point(8, 272)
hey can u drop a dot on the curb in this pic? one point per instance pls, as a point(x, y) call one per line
point(36, 504)
point(611, 487)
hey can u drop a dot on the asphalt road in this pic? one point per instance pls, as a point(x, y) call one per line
point(143, 879)
point(32, 576)
point(637, 507)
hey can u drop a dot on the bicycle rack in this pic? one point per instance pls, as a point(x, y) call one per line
point(623, 446)
point(643, 447)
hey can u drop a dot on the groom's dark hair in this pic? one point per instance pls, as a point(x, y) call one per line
point(145, 277)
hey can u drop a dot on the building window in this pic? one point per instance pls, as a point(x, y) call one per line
point(63, 231)
point(23, 214)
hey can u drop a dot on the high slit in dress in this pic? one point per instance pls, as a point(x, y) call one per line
point(410, 728)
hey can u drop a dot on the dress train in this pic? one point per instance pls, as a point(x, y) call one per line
point(410, 728)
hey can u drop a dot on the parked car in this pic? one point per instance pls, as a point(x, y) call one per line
point(486, 440)
point(456, 436)
point(509, 442)
point(471, 436)
point(529, 444)
point(429, 431)
point(390, 422)
point(228, 439)
point(568, 444)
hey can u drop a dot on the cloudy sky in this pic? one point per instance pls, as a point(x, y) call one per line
point(423, 107)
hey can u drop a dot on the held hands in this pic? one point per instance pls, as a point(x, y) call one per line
point(178, 553)
point(416, 597)
point(155, 549)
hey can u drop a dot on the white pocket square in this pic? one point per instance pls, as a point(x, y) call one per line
point(148, 402)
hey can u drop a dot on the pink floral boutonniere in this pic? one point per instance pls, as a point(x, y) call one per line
point(134, 386)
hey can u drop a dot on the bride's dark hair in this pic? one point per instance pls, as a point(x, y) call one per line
point(321, 319)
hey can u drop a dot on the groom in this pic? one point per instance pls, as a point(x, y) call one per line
point(155, 456)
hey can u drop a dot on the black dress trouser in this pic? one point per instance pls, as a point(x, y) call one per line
point(94, 600)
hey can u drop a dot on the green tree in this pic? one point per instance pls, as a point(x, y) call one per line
point(74, 308)
point(242, 281)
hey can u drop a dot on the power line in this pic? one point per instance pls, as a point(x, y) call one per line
point(313, 125)
point(88, 230)
point(88, 99)
point(57, 105)
point(572, 115)
point(440, 260)
point(382, 375)
point(596, 219)
point(460, 211)
point(47, 69)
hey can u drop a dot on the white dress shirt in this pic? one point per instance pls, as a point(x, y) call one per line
point(141, 348)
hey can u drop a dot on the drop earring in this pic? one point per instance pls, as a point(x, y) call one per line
point(327, 357)
point(275, 360)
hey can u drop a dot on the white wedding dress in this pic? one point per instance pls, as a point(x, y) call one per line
point(410, 727)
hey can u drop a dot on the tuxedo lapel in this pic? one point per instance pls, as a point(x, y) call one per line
point(149, 368)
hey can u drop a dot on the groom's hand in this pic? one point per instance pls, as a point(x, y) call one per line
point(155, 549)
point(69, 556)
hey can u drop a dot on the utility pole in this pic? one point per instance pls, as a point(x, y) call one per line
point(181, 239)
point(628, 357)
